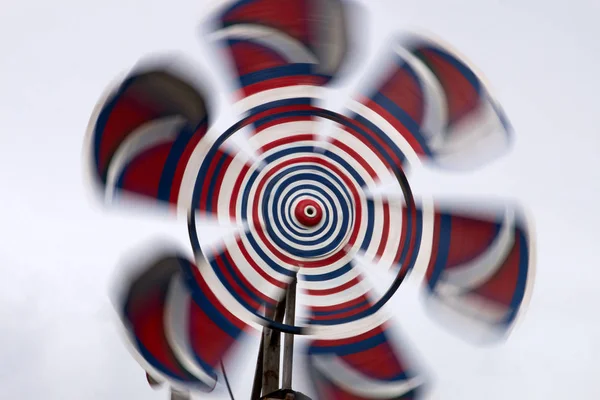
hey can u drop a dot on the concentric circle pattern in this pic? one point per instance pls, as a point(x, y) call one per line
point(303, 204)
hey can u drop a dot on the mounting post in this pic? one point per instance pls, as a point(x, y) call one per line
point(288, 345)
point(271, 352)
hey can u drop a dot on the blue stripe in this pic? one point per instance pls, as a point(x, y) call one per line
point(288, 70)
point(340, 311)
point(409, 222)
point(300, 101)
point(519, 293)
point(328, 276)
point(213, 185)
point(418, 236)
point(351, 348)
point(445, 231)
point(287, 114)
point(230, 9)
point(370, 225)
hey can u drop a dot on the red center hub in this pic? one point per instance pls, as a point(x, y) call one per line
point(308, 212)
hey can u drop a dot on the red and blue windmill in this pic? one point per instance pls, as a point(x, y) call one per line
point(300, 186)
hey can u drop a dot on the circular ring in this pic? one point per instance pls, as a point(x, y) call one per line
point(311, 211)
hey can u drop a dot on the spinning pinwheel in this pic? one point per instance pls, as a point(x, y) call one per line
point(301, 186)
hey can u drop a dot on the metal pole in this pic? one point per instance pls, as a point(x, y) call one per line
point(257, 385)
point(177, 395)
point(271, 353)
point(288, 345)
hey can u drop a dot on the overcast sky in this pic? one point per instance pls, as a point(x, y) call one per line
point(60, 249)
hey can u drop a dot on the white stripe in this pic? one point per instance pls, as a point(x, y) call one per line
point(338, 298)
point(330, 283)
point(230, 177)
point(281, 131)
point(283, 93)
point(192, 169)
point(327, 268)
point(417, 274)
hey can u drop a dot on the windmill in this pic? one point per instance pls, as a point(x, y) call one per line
point(300, 186)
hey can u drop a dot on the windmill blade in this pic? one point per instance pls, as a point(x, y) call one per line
point(144, 301)
point(480, 274)
point(273, 45)
point(367, 366)
point(143, 133)
point(428, 99)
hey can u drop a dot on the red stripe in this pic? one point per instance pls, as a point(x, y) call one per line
point(217, 192)
point(236, 190)
point(338, 289)
point(210, 174)
point(142, 174)
point(287, 140)
point(340, 306)
point(207, 339)
point(385, 229)
point(126, 115)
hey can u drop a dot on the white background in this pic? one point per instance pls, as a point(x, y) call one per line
point(60, 249)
